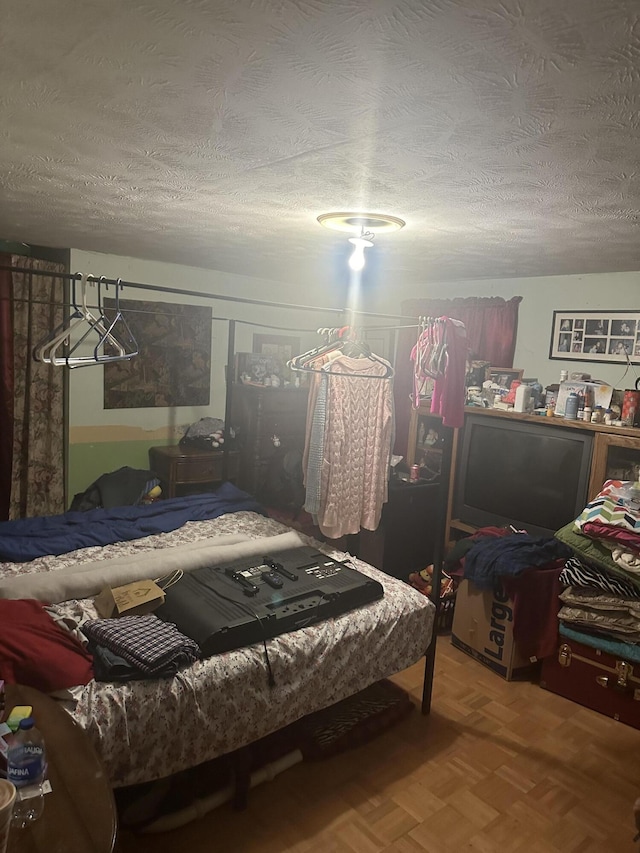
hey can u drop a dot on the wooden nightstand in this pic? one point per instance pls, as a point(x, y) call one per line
point(185, 467)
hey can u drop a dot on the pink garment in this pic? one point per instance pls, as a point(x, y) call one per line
point(448, 392)
point(441, 354)
point(357, 447)
point(429, 356)
point(612, 535)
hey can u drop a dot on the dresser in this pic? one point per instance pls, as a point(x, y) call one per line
point(184, 469)
point(267, 422)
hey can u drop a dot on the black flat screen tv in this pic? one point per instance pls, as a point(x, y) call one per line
point(532, 476)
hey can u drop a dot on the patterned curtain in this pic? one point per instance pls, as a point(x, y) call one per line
point(492, 327)
point(6, 387)
point(37, 477)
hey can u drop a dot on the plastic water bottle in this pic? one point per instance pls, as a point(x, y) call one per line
point(26, 765)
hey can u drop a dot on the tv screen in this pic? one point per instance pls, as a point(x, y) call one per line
point(534, 476)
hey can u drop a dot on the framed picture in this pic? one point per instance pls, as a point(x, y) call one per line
point(611, 336)
point(504, 376)
point(280, 347)
point(252, 368)
point(477, 373)
point(427, 440)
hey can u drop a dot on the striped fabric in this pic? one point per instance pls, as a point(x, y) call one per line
point(577, 573)
point(316, 452)
point(608, 508)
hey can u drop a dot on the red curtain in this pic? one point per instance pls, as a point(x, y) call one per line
point(492, 327)
point(6, 388)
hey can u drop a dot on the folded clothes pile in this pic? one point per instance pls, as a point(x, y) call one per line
point(602, 578)
point(138, 647)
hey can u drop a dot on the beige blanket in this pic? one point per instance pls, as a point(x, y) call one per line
point(83, 580)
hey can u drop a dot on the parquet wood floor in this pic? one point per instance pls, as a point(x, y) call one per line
point(496, 768)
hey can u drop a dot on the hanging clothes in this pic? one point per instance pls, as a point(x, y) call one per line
point(355, 401)
point(440, 354)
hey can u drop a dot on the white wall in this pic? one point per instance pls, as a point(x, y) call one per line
point(86, 384)
point(541, 297)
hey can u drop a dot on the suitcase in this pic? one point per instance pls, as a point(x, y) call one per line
point(594, 679)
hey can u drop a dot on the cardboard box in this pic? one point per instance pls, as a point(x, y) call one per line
point(132, 599)
point(600, 393)
point(483, 628)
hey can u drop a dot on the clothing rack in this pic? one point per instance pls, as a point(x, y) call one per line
point(159, 288)
point(446, 462)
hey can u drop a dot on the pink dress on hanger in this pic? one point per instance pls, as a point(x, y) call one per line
point(357, 447)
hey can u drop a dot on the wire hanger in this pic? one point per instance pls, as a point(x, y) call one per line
point(112, 333)
point(345, 341)
point(96, 324)
point(115, 333)
point(43, 350)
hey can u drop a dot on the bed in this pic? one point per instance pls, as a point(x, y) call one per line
point(146, 730)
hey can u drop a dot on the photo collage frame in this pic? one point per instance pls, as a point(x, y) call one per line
point(612, 336)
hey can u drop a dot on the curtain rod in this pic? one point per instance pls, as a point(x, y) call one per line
point(179, 292)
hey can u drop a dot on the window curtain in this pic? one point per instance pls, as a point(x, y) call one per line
point(492, 327)
point(36, 484)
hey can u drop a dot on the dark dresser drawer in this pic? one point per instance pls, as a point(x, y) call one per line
point(258, 415)
point(205, 469)
point(178, 466)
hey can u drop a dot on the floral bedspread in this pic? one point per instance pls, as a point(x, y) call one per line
point(146, 730)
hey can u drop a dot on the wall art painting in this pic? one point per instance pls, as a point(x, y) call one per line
point(173, 366)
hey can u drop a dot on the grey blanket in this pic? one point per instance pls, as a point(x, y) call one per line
point(87, 579)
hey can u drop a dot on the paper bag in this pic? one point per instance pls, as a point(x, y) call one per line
point(132, 599)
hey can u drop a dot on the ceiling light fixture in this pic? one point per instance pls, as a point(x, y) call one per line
point(364, 241)
point(364, 227)
point(354, 223)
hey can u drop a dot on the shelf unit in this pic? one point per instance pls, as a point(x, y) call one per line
point(615, 454)
point(428, 438)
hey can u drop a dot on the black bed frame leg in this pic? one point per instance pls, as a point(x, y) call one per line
point(438, 558)
point(427, 684)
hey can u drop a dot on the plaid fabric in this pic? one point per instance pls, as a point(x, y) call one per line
point(146, 642)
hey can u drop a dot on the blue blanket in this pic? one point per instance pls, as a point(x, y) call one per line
point(492, 557)
point(617, 648)
point(28, 538)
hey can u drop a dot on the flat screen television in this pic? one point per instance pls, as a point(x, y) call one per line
point(533, 476)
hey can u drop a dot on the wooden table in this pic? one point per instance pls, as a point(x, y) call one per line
point(185, 466)
point(79, 814)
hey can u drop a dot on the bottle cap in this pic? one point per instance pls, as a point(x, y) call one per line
point(27, 723)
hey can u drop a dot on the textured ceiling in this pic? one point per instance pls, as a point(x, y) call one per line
point(213, 133)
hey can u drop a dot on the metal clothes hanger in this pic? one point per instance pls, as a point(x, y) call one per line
point(96, 324)
point(346, 342)
point(124, 346)
point(116, 333)
point(59, 335)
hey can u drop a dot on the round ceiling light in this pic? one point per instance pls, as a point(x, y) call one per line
point(355, 223)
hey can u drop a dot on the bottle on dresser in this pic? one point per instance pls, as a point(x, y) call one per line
point(571, 407)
